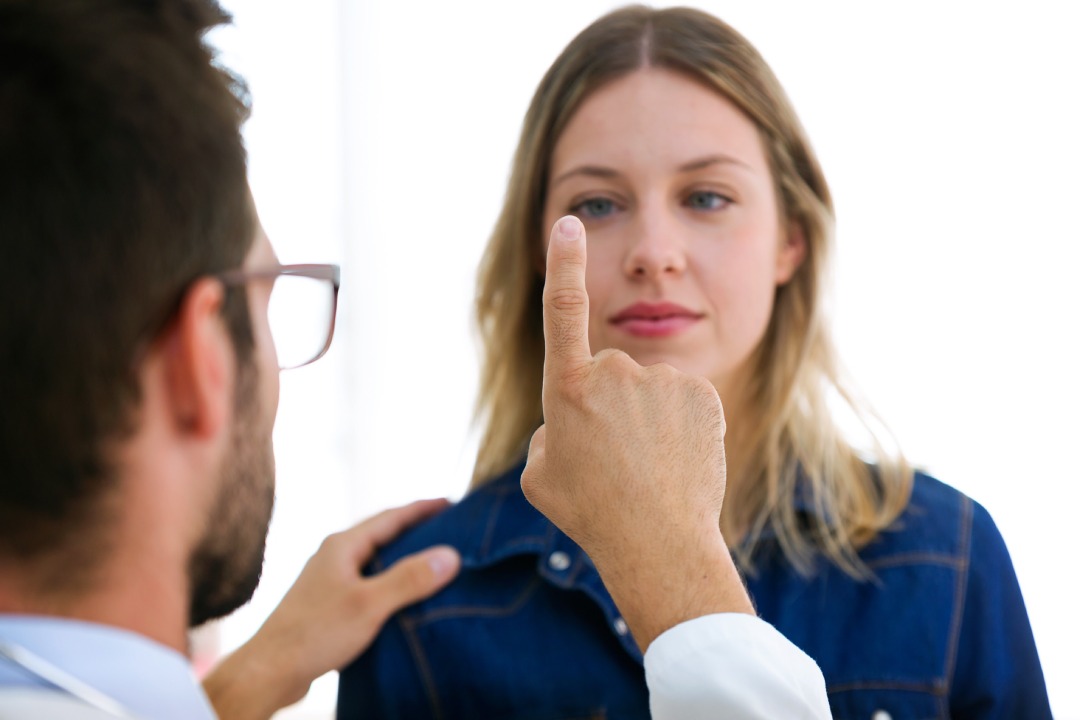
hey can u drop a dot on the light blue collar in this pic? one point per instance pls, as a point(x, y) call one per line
point(146, 678)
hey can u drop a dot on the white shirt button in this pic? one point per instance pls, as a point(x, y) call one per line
point(622, 629)
point(559, 561)
point(881, 715)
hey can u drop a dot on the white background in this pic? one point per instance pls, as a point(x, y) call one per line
point(381, 139)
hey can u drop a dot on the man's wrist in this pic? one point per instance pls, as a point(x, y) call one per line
point(657, 591)
point(251, 684)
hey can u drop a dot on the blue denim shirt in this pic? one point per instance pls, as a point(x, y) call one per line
point(528, 631)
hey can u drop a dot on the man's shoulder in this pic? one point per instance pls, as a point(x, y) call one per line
point(22, 703)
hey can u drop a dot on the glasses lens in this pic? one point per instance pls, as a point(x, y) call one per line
point(301, 316)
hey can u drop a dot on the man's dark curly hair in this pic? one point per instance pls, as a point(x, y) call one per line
point(122, 180)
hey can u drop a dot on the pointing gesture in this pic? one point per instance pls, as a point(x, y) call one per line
point(566, 303)
point(629, 463)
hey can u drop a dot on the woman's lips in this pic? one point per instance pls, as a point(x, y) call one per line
point(655, 319)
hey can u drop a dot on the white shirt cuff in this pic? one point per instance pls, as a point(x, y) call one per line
point(733, 666)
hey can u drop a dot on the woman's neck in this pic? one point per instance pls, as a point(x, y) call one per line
point(740, 423)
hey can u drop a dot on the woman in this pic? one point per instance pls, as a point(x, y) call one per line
point(709, 233)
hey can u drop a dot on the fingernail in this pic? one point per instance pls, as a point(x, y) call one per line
point(569, 228)
point(443, 561)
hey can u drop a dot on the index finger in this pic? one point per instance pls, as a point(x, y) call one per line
point(376, 531)
point(566, 304)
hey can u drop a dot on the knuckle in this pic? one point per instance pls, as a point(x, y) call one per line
point(706, 401)
point(415, 576)
point(331, 543)
point(536, 443)
point(528, 480)
point(606, 355)
point(535, 456)
point(618, 363)
point(532, 483)
point(705, 389)
point(665, 372)
point(567, 388)
point(574, 384)
point(568, 300)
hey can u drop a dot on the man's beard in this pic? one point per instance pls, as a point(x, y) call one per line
point(226, 566)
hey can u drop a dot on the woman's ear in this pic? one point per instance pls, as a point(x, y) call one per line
point(200, 361)
point(791, 254)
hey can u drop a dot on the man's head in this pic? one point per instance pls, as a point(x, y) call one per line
point(123, 192)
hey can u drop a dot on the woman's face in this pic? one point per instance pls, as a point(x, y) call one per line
point(685, 243)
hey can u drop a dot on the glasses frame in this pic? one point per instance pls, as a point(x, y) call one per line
point(323, 271)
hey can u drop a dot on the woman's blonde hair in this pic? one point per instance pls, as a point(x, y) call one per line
point(795, 457)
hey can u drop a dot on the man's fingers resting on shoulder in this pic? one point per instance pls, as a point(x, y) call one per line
point(378, 530)
point(411, 579)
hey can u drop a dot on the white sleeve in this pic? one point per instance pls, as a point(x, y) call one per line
point(732, 666)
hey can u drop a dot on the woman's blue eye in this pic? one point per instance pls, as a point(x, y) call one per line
point(706, 200)
point(594, 208)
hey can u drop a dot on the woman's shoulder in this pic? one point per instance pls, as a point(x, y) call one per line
point(482, 523)
point(940, 525)
point(937, 525)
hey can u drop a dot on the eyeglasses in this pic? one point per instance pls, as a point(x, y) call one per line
point(302, 311)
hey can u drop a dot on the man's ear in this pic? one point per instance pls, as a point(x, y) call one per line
point(200, 361)
point(792, 253)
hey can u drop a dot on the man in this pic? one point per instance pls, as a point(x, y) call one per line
point(140, 378)
point(140, 384)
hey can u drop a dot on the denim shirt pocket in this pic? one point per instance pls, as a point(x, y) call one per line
point(504, 643)
point(870, 702)
point(886, 645)
point(901, 632)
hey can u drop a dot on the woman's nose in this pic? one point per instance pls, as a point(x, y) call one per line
point(656, 248)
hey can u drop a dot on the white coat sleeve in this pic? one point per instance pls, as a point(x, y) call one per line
point(732, 666)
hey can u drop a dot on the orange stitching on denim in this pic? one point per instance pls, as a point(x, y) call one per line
point(409, 630)
point(916, 558)
point(967, 512)
point(474, 611)
point(929, 688)
point(485, 546)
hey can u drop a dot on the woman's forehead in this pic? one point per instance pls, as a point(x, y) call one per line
point(656, 116)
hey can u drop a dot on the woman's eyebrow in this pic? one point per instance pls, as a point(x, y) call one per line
point(702, 163)
point(600, 171)
point(596, 171)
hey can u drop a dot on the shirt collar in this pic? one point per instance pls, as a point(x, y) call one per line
point(500, 523)
point(507, 524)
point(146, 678)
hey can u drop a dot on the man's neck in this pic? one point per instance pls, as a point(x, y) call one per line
point(141, 599)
